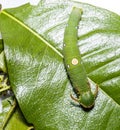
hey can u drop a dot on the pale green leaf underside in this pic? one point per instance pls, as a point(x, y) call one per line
point(2, 58)
point(17, 122)
point(4, 109)
point(36, 70)
point(11, 120)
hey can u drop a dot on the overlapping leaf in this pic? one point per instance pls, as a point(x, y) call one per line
point(2, 58)
point(17, 122)
point(33, 37)
point(11, 119)
point(4, 109)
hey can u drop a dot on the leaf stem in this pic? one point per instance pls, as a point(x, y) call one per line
point(4, 89)
point(30, 128)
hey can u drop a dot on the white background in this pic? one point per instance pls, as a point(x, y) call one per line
point(112, 5)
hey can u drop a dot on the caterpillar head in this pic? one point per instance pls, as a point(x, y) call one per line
point(87, 99)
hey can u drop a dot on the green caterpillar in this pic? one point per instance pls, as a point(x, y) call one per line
point(73, 62)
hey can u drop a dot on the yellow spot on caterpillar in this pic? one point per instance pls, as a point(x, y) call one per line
point(74, 61)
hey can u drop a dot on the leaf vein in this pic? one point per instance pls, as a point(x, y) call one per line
point(29, 29)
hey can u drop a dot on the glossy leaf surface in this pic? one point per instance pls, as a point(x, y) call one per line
point(33, 43)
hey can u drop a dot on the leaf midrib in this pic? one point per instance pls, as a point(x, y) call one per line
point(33, 32)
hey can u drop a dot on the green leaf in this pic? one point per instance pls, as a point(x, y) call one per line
point(11, 117)
point(4, 109)
point(33, 40)
point(2, 62)
point(3, 70)
point(2, 57)
point(17, 122)
point(1, 45)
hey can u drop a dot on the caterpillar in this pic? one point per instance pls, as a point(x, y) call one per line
point(73, 62)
